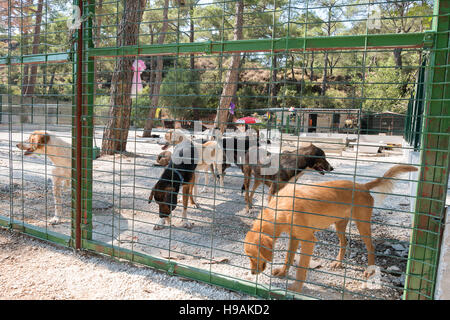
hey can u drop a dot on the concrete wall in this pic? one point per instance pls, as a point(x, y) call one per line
point(324, 120)
point(38, 113)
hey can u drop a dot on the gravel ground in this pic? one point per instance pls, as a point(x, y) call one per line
point(33, 269)
point(122, 217)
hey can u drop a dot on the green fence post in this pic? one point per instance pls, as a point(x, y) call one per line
point(76, 133)
point(433, 176)
point(1, 107)
point(88, 125)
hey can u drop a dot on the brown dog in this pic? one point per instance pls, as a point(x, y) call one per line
point(290, 165)
point(315, 207)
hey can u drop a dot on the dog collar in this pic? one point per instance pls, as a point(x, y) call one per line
point(179, 174)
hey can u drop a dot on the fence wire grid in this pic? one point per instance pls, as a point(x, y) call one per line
point(99, 97)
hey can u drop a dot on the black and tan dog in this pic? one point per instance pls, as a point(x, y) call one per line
point(302, 210)
point(290, 165)
point(210, 151)
point(235, 151)
point(180, 172)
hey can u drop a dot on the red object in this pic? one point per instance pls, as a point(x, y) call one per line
point(248, 120)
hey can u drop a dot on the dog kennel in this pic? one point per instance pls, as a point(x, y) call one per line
point(95, 73)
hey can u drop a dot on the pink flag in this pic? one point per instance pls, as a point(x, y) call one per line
point(138, 67)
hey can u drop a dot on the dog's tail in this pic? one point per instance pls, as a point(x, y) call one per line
point(385, 184)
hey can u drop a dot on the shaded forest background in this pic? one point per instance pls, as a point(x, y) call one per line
point(196, 86)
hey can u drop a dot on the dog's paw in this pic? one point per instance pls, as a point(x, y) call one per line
point(203, 190)
point(370, 271)
point(158, 227)
point(195, 204)
point(187, 225)
point(336, 265)
point(54, 221)
point(279, 272)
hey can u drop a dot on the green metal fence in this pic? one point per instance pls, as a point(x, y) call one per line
point(308, 71)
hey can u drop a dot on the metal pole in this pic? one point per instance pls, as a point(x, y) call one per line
point(79, 141)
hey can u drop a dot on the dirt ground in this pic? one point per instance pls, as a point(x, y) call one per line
point(122, 217)
point(33, 269)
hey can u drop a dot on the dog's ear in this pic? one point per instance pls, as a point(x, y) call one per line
point(40, 138)
point(150, 198)
point(266, 244)
point(180, 138)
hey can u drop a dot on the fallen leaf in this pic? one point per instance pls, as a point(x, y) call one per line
point(216, 260)
point(314, 264)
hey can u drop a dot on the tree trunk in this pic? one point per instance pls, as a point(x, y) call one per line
point(99, 12)
point(232, 77)
point(273, 81)
point(29, 90)
point(52, 81)
point(158, 76)
point(325, 60)
point(325, 71)
point(292, 68)
point(398, 58)
point(116, 131)
point(195, 110)
point(25, 25)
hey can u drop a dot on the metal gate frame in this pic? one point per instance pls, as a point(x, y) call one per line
point(432, 186)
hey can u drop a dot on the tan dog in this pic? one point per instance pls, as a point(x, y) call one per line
point(211, 152)
point(315, 207)
point(59, 152)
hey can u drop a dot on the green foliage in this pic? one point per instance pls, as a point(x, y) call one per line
point(289, 97)
point(3, 89)
point(383, 87)
point(140, 108)
point(386, 89)
point(249, 98)
point(180, 93)
point(337, 99)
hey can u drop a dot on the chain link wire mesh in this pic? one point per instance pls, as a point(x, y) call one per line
point(108, 85)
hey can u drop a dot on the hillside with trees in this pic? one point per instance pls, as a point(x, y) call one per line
point(199, 86)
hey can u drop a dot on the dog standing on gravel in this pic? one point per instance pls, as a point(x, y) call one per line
point(187, 158)
point(180, 172)
point(210, 152)
point(60, 153)
point(301, 210)
point(289, 165)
